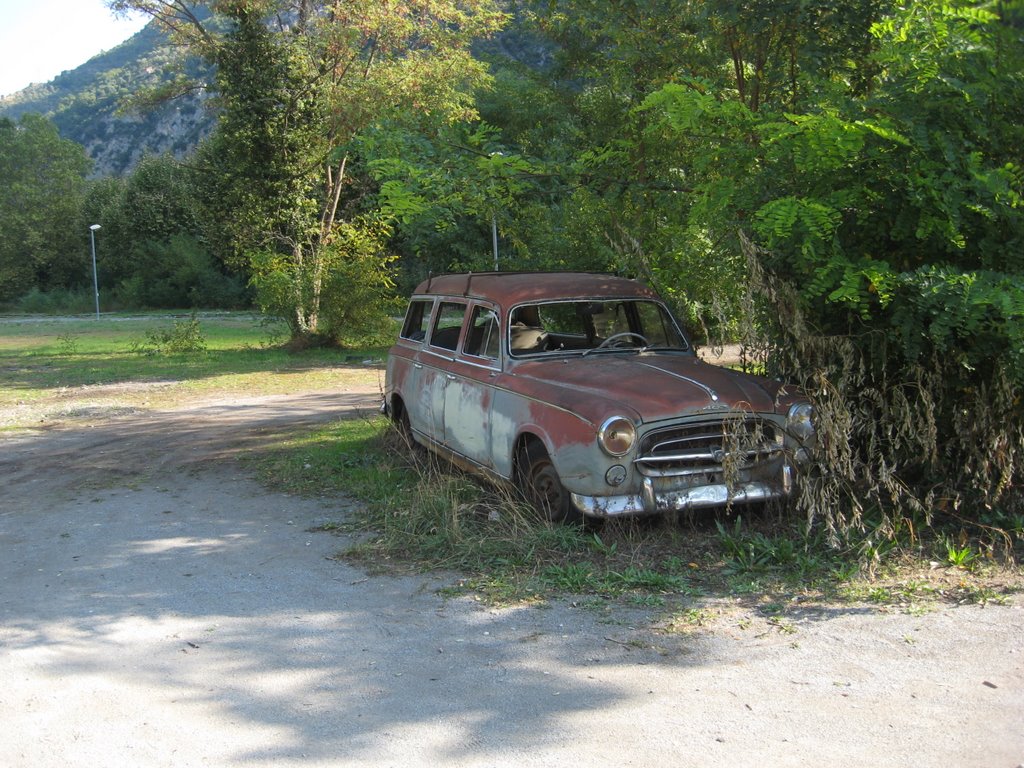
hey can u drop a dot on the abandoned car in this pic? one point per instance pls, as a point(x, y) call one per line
point(582, 390)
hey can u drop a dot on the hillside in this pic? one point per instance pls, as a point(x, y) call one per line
point(86, 105)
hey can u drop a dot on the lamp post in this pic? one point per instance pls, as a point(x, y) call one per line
point(494, 237)
point(494, 215)
point(95, 280)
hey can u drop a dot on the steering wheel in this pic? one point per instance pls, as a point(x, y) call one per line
point(617, 337)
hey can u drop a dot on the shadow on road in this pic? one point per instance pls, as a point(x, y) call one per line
point(158, 608)
point(150, 588)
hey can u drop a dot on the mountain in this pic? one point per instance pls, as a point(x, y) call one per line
point(86, 105)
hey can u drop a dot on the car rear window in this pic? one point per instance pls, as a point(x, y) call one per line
point(416, 319)
point(448, 325)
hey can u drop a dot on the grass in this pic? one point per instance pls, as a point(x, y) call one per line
point(421, 516)
point(44, 360)
point(418, 515)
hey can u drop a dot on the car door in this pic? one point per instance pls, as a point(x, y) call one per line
point(405, 366)
point(434, 362)
point(469, 387)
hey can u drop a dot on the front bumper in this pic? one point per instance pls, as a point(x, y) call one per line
point(652, 502)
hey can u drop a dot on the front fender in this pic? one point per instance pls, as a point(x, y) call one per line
point(569, 438)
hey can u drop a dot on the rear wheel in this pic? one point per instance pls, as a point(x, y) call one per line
point(400, 419)
point(403, 425)
point(540, 483)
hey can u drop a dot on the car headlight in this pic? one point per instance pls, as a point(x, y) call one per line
point(617, 435)
point(800, 421)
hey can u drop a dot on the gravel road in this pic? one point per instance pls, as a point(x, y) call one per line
point(158, 608)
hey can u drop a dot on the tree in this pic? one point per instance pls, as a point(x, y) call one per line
point(450, 190)
point(627, 190)
point(153, 253)
point(887, 222)
point(845, 181)
point(297, 81)
point(44, 243)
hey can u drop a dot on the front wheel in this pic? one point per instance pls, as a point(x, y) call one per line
point(539, 482)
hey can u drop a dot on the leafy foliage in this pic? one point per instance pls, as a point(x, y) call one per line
point(446, 187)
point(150, 252)
point(177, 273)
point(43, 244)
point(356, 287)
point(296, 81)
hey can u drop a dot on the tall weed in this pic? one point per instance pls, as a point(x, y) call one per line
point(183, 337)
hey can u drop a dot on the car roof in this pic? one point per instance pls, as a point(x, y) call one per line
point(518, 287)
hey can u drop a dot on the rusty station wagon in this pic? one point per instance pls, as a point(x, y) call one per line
point(582, 390)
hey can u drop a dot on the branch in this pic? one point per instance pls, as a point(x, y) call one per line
point(332, 208)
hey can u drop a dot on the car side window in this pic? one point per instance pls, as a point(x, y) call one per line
point(483, 334)
point(448, 325)
point(416, 319)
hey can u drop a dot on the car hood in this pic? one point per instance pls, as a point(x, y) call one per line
point(655, 386)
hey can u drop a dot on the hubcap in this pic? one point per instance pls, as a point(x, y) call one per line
point(547, 488)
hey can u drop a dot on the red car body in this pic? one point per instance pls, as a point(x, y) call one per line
point(583, 390)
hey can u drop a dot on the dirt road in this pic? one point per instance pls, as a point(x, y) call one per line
point(158, 608)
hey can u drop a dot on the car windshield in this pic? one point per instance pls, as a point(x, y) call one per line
point(586, 326)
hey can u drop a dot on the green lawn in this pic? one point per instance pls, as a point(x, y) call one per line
point(42, 357)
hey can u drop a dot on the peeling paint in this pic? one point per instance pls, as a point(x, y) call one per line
point(477, 406)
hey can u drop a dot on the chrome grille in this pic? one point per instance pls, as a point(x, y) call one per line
point(708, 448)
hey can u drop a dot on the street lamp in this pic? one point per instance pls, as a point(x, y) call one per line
point(494, 237)
point(95, 280)
point(494, 218)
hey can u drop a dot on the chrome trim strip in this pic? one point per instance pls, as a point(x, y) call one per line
point(711, 393)
point(494, 368)
point(716, 455)
point(701, 497)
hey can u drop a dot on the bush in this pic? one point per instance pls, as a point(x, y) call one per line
point(184, 337)
point(342, 296)
point(59, 301)
point(179, 273)
point(908, 436)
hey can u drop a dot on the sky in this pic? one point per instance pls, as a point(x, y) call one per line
point(39, 39)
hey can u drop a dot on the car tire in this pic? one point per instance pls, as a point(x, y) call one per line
point(542, 487)
point(403, 427)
